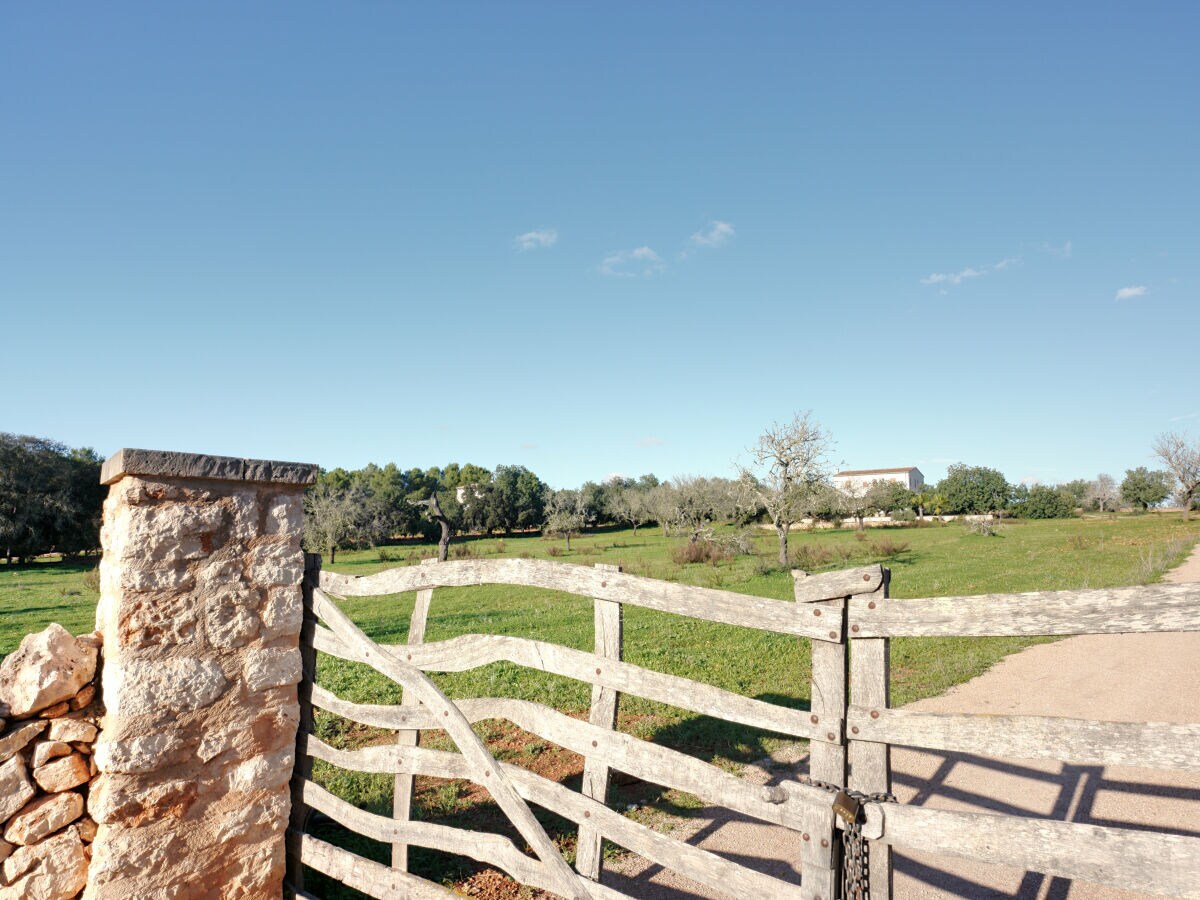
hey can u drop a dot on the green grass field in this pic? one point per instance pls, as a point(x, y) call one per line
point(929, 561)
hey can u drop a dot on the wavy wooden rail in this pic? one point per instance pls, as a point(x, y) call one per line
point(1156, 607)
point(372, 878)
point(701, 866)
point(1119, 857)
point(559, 877)
point(471, 651)
point(712, 605)
point(790, 803)
point(1154, 745)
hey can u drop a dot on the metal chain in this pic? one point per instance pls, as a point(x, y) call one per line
point(856, 870)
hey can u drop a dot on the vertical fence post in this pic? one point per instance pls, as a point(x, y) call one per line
point(403, 786)
point(609, 638)
point(870, 762)
point(303, 771)
point(821, 855)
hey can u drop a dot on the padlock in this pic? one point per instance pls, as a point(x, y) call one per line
point(846, 807)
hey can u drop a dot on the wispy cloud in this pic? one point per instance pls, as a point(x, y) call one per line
point(1128, 293)
point(650, 441)
point(970, 272)
point(1062, 251)
point(641, 261)
point(528, 445)
point(1184, 417)
point(715, 235)
point(538, 239)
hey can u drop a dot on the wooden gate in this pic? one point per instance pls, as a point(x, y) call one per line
point(849, 619)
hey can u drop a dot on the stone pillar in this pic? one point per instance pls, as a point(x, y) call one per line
point(200, 611)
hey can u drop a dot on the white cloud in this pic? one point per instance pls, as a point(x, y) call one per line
point(538, 239)
point(528, 445)
point(1128, 293)
point(715, 235)
point(1062, 252)
point(650, 441)
point(970, 272)
point(1184, 417)
point(631, 263)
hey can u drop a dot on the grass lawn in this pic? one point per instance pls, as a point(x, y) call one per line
point(929, 561)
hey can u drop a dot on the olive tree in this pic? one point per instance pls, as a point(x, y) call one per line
point(787, 464)
point(1181, 456)
point(566, 514)
point(1145, 488)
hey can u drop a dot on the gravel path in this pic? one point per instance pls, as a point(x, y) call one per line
point(1126, 677)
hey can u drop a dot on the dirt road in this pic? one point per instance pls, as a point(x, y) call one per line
point(1129, 677)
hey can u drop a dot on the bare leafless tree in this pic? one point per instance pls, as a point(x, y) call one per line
point(788, 462)
point(1104, 492)
point(1181, 456)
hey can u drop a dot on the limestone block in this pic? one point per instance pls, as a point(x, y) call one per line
point(271, 770)
point(140, 852)
point(70, 729)
point(15, 787)
point(279, 563)
point(230, 619)
point(84, 697)
point(285, 515)
point(53, 712)
point(146, 687)
point(49, 667)
point(172, 578)
point(87, 829)
point(62, 774)
point(55, 869)
point(156, 619)
point(131, 802)
point(272, 668)
point(16, 740)
point(6, 850)
point(136, 755)
point(42, 816)
point(44, 751)
point(245, 817)
point(283, 613)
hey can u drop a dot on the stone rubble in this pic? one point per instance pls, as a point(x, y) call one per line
point(46, 771)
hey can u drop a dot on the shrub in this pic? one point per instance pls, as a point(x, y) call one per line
point(500, 547)
point(985, 526)
point(888, 547)
point(811, 556)
point(555, 551)
point(860, 536)
point(387, 554)
point(844, 552)
point(699, 551)
point(91, 580)
point(464, 551)
point(903, 515)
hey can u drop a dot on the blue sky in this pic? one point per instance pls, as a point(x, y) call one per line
point(602, 238)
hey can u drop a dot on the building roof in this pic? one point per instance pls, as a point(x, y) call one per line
point(876, 471)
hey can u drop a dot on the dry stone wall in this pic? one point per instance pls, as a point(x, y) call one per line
point(47, 767)
point(200, 613)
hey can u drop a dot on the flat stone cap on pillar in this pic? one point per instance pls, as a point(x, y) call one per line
point(167, 464)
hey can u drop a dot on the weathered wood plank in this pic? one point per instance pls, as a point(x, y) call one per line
point(1149, 862)
point(709, 604)
point(473, 650)
point(403, 787)
point(371, 878)
point(695, 863)
point(603, 714)
point(1155, 607)
point(1153, 745)
point(783, 804)
point(870, 764)
point(565, 881)
point(493, 849)
point(840, 584)
point(308, 662)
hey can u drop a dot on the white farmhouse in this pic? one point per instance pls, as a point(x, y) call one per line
point(854, 479)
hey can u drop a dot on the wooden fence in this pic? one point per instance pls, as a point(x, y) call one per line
point(849, 619)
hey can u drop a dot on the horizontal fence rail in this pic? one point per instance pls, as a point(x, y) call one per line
point(1158, 607)
point(710, 604)
point(474, 650)
point(1154, 745)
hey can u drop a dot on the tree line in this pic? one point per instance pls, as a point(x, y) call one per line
point(50, 498)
